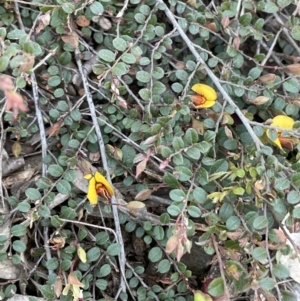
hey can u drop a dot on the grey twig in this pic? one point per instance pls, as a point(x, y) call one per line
point(270, 52)
point(44, 151)
point(216, 81)
point(89, 99)
point(287, 34)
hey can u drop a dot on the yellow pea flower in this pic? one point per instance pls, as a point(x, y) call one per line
point(206, 96)
point(286, 123)
point(74, 285)
point(98, 186)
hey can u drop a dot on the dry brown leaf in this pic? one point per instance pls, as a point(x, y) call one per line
point(141, 167)
point(105, 23)
point(82, 21)
point(228, 132)
point(267, 78)
point(73, 280)
point(135, 205)
point(27, 64)
point(58, 286)
point(94, 157)
point(23, 176)
point(71, 38)
point(44, 21)
point(172, 244)
point(143, 195)
point(55, 128)
point(211, 25)
point(293, 69)
point(259, 185)
point(151, 139)
point(14, 102)
point(260, 100)
point(198, 126)
point(180, 65)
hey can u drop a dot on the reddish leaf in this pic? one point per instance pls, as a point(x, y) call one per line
point(6, 83)
point(179, 251)
point(164, 164)
point(55, 128)
point(121, 102)
point(14, 102)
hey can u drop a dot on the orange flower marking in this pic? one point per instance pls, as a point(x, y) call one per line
point(98, 186)
point(206, 97)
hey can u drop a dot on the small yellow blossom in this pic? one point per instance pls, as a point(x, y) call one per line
point(206, 96)
point(98, 186)
point(74, 285)
point(285, 123)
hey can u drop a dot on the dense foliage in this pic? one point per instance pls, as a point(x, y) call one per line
point(189, 109)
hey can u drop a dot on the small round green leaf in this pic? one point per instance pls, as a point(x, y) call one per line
point(33, 194)
point(4, 62)
point(259, 253)
point(93, 254)
point(23, 207)
point(119, 44)
point(158, 72)
point(44, 211)
point(120, 69)
point(143, 76)
point(194, 211)
point(267, 283)
point(158, 88)
point(164, 266)
point(155, 254)
point(73, 143)
point(114, 249)
point(55, 170)
point(68, 7)
point(97, 8)
point(177, 195)
point(128, 58)
point(216, 287)
point(107, 55)
point(200, 195)
point(54, 81)
point(19, 246)
point(101, 284)
point(52, 263)
point(104, 270)
point(280, 271)
point(260, 222)
point(233, 223)
point(63, 187)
